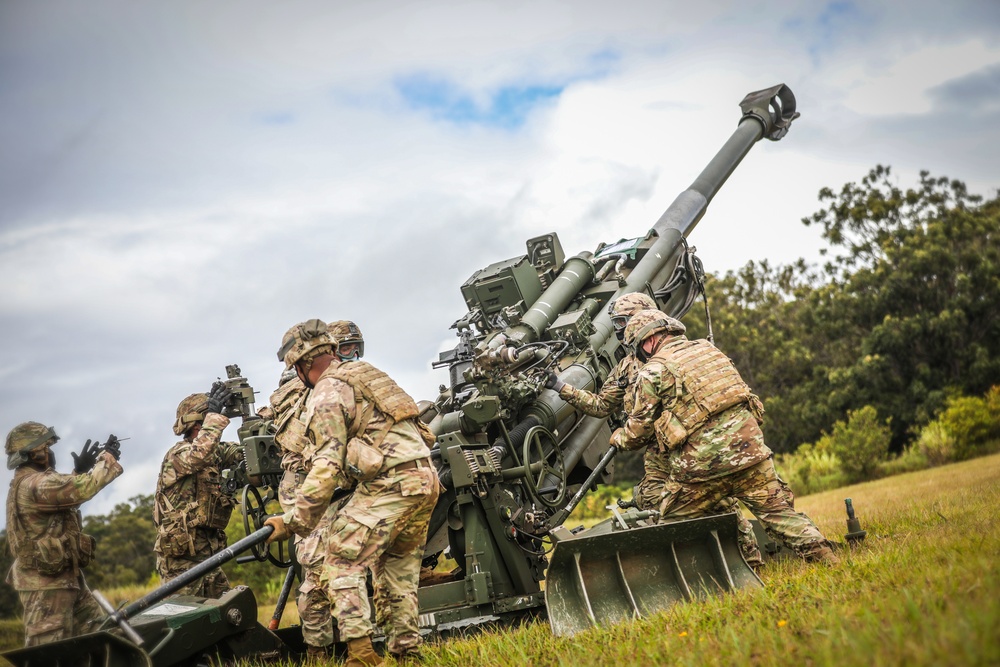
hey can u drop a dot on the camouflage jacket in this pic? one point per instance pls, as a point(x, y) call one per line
point(330, 416)
point(287, 406)
point(189, 497)
point(43, 517)
point(727, 442)
point(611, 397)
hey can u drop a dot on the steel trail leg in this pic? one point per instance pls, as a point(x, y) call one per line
point(103, 603)
point(279, 607)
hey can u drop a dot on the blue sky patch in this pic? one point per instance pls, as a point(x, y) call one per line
point(278, 118)
point(507, 107)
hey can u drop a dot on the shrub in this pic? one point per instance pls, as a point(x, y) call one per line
point(861, 444)
point(810, 469)
point(967, 419)
point(935, 444)
point(912, 458)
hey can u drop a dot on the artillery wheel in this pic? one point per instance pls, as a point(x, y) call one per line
point(254, 509)
point(540, 447)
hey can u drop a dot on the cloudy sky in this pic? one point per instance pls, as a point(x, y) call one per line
point(181, 182)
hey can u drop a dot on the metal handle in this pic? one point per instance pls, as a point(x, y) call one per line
point(103, 603)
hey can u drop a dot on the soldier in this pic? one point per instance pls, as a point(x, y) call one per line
point(612, 395)
point(691, 402)
point(363, 431)
point(191, 511)
point(45, 535)
point(648, 493)
point(287, 403)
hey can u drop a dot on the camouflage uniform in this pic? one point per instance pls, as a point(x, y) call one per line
point(354, 409)
point(648, 493)
point(609, 399)
point(191, 511)
point(287, 404)
point(702, 425)
point(46, 539)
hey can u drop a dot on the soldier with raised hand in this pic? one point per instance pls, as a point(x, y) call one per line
point(45, 532)
point(648, 493)
point(364, 433)
point(190, 510)
point(693, 408)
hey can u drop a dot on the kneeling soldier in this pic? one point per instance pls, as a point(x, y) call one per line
point(692, 406)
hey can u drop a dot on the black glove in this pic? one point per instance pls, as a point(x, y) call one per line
point(218, 397)
point(553, 382)
point(113, 447)
point(86, 459)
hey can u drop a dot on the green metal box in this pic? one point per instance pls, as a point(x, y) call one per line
point(502, 285)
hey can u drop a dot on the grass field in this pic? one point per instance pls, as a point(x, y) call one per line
point(924, 589)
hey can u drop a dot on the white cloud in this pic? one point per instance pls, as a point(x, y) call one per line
point(901, 83)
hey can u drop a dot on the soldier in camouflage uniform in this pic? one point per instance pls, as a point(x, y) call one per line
point(45, 535)
point(363, 431)
point(648, 493)
point(691, 405)
point(191, 511)
point(287, 405)
point(612, 395)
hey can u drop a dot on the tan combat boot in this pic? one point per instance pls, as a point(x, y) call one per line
point(821, 552)
point(316, 655)
point(361, 653)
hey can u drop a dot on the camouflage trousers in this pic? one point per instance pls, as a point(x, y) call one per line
point(649, 494)
point(313, 602)
point(762, 491)
point(382, 528)
point(58, 614)
point(212, 585)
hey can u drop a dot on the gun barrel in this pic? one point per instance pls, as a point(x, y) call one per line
point(767, 112)
point(196, 572)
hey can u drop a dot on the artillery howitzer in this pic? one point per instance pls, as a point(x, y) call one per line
point(511, 453)
point(514, 458)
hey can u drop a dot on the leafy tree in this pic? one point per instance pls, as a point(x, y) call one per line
point(125, 539)
point(918, 287)
point(902, 319)
point(861, 443)
point(971, 422)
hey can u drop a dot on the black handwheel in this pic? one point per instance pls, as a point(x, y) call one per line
point(547, 484)
point(254, 508)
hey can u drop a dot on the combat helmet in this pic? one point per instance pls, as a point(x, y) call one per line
point(645, 323)
point(25, 438)
point(190, 411)
point(625, 307)
point(345, 332)
point(305, 339)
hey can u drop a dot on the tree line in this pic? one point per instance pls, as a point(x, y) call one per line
point(902, 317)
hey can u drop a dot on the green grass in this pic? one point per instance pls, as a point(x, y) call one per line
point(924, 589)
